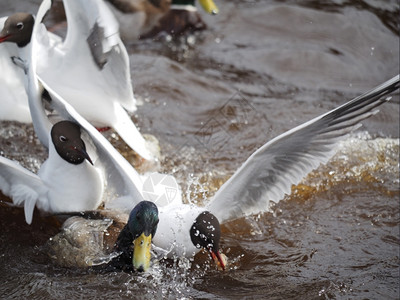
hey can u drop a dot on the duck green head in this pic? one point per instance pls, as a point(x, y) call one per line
point(208, 5)
point(142, 223)
point(135, 238)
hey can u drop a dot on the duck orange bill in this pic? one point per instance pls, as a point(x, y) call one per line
point(141, 253)
point(219, 259)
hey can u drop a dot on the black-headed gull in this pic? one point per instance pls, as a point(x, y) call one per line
point(268, 174)
point(90, 69)
point(14, 101)
point(66, 182)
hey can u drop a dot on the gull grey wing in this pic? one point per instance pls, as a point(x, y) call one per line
point(270, 172)
point(122, 179)
point(21, 186)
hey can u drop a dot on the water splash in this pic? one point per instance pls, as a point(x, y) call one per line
point(359, 158)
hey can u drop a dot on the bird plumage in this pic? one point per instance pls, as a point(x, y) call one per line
point(63, 184)
point(268, 174)
point(92, 41)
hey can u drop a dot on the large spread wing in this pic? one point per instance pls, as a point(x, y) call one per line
point(21, 186)
point(270, 172)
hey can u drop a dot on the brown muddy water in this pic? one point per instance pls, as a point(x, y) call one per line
point(271, 65)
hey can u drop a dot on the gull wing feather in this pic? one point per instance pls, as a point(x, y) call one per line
point(270, 172)
point(22, 186)
point(92, 41)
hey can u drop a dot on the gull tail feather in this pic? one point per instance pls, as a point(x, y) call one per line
point(23, 194)
point(29, 207)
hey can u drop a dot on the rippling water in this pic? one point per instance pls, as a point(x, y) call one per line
point(262, 68)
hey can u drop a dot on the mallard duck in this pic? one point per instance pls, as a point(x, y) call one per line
point(89, 242)
point(92, 49)
point(141, 19)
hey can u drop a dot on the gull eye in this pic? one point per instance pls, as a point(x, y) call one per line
point(63, 138)
point(20, 25)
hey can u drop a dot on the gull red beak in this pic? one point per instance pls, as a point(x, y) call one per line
point(218, 258)
point(4, 38)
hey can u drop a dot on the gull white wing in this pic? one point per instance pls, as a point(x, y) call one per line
point(93, 68)
point(92, 41)
point(269, 173)
point(21, 186)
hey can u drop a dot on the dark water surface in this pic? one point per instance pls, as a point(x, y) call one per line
point(262, 68)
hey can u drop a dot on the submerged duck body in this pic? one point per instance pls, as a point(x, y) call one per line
point(110, 241)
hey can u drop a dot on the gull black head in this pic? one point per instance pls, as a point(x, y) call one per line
point(66, 137)
point(206, 233)
point(18, 29)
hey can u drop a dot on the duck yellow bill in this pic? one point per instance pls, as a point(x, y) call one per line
point(209, 6)
point(141, 252)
